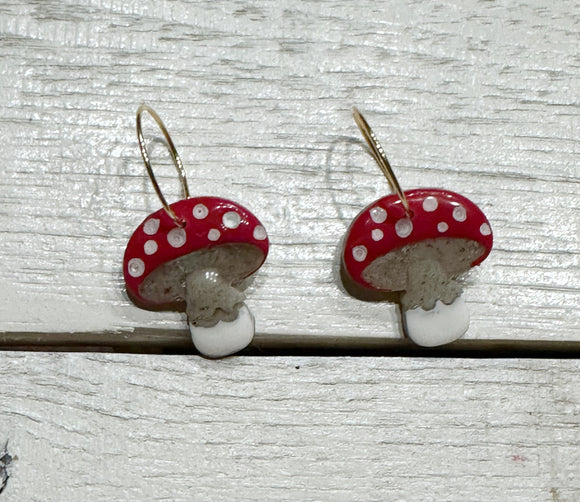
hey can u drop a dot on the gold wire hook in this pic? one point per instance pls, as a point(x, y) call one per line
point(380, 156)
point(174, 155)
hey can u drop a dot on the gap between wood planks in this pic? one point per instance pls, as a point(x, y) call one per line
point(178, 342)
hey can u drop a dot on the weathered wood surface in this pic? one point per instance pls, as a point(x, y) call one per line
point(134, 428)
point(477, 97)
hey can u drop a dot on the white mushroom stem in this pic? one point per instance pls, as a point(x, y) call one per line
point(219, 322)
point(434, 311)
point(225, 338)
point(440, 325)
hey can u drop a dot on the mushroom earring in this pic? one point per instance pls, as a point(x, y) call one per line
point(417, 242)
point(194, 255)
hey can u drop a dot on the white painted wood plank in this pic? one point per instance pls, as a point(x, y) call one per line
point(476, 97)
point(112, 427)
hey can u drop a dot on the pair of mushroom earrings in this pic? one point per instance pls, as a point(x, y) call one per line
point(196, 255)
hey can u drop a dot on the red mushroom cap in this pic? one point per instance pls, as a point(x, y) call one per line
point(208, 222)
point(383, 226)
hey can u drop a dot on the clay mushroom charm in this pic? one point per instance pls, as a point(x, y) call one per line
point(419, 243)
point(194, 255)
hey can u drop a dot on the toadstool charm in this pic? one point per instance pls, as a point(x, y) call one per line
point(194, 255)
point(417, 242)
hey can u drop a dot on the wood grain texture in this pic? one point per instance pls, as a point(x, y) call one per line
point(122, 427)
point(477, 97)
point(5, 462)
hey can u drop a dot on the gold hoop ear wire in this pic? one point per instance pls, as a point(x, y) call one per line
point(380, 156)
point(174, 155)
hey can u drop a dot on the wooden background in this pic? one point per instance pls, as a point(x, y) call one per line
point(477, 97)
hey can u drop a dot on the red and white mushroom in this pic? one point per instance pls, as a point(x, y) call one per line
point(417, 242)
point(197, 261)
point(420, 252)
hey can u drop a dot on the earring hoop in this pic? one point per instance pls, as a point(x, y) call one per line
point(380, 156)
point(174, 155)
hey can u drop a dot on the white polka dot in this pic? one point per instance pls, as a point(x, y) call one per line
point(231, 219)
point(442, 226)
point(176, 237)
point(260, 233)
point(404, 227)
point(136, 267)
point(484, 229)
point(200, 211)
point(213, 234)
point(378, 214)
point(150, 247)
point(459, 213)
point(151, 226)
point(359, 253)
point(377, 234)
point(430, 204)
